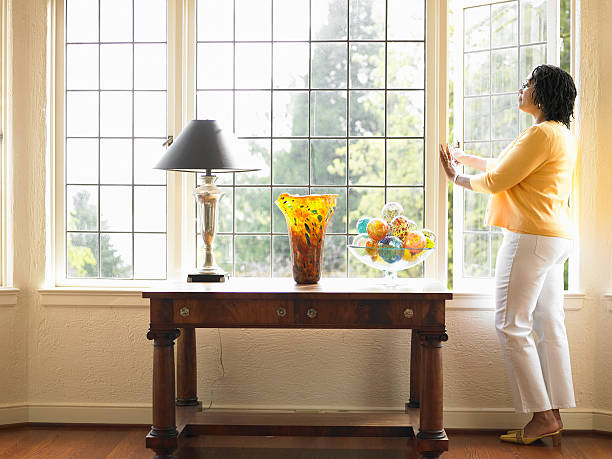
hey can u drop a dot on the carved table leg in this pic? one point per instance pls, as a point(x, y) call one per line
point(186, 372)
point(415, 371)
point(431, 439)
point(163, 435)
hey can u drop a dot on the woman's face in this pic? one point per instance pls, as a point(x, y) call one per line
point(525, 98)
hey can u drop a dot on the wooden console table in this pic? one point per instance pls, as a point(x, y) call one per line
point(176, 310)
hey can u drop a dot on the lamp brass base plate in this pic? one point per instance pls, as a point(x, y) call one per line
point(207, 277)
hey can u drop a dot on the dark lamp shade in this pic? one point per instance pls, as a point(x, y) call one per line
point(203, 146)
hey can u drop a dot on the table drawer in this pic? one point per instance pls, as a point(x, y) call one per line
point(233, 313)
point(357, 313)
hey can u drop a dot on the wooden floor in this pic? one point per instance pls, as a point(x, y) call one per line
point(128, 443)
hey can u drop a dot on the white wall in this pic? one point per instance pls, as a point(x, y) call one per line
point(93, 364)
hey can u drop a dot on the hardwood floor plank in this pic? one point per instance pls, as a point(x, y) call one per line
point(108, 442)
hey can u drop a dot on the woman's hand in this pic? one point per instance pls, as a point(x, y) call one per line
point(448, 164)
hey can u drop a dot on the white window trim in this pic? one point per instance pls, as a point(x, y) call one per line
point(181, 108)
point(460, 282)
point(6, 182)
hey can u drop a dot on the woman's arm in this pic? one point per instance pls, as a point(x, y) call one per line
point(469, 160)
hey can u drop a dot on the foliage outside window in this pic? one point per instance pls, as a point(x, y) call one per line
point(330, 96)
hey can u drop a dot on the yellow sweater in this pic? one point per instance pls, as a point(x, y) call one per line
point(531, 181)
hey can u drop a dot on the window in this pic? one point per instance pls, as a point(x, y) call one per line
point(330, 95)
point(498, 45)
point(114, 204)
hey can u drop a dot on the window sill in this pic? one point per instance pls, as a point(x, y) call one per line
point(92, 297)
point(8, 296)
point(475, 301)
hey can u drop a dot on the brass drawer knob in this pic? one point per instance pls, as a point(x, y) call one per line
point(184, 312)
point(281, 312)
point(408, 313)
point(311, 313)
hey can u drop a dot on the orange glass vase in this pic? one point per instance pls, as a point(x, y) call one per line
point(307, 219)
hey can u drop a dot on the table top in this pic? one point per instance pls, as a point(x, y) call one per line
point(427, 289)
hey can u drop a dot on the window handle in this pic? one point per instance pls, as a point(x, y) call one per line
point(168, 141)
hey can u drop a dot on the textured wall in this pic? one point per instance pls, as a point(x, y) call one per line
point(99, 355)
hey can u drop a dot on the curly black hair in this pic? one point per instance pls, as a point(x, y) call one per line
point(554, 93)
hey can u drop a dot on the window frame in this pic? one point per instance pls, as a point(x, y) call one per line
point(486, 284)
point(6, 247)
point(181, 243)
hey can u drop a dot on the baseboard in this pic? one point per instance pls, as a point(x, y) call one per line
point(454, 418)
point(13, 414)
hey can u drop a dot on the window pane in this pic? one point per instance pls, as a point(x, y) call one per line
point(150, 114)
point(253, 113)
point(476, 255)
point(253, 62)
point(116, 114)
point(504, 115)
point(531, 57)
point(252, 210)
point(367, 20)
point(504, 24)
point(496, 241)
point(477, 73)
point(367, 65)
point(115, 20)
point(476, 121)
point(411, 199)
point(215, 20)
point(150, 20)
point(225, 219)
point(150, 208)
point(533, 21)
point(81, 20)
point(255, 152)
point(291, 20)
point(82, 208)
point(328, 113)
point(116, 161)
point(405, 162)
point(281, 257)
point(334, 256)
point(82, 114)
point(364, 202)
point(115, 66)
point(367, 113)
point(253, 19)
point(116, 259)
point(328, 19)
point(290, 162)
point(406, 20)
point(82, 60)
point(252, 256)
point(290, 114)
point(367, 162)
point(328, 162)
point(116, 208)
point(406, 65)
point(147, 153)
point(477, 28)
point(504, 70)
point(329, 65)
point(475, 207)
point(82, 255)
point(82, 161)
point(150, 66)
point(215, 65)
point(405, 113)
point(216, 105)
point(149, 256)
point(291, 61)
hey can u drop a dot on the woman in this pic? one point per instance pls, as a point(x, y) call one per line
point(530, 184)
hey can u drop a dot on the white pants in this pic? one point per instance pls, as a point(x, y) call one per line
point(529, 300)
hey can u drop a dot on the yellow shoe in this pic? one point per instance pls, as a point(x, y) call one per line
point(519, 437)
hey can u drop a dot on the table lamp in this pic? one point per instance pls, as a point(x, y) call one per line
point(205, 148)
